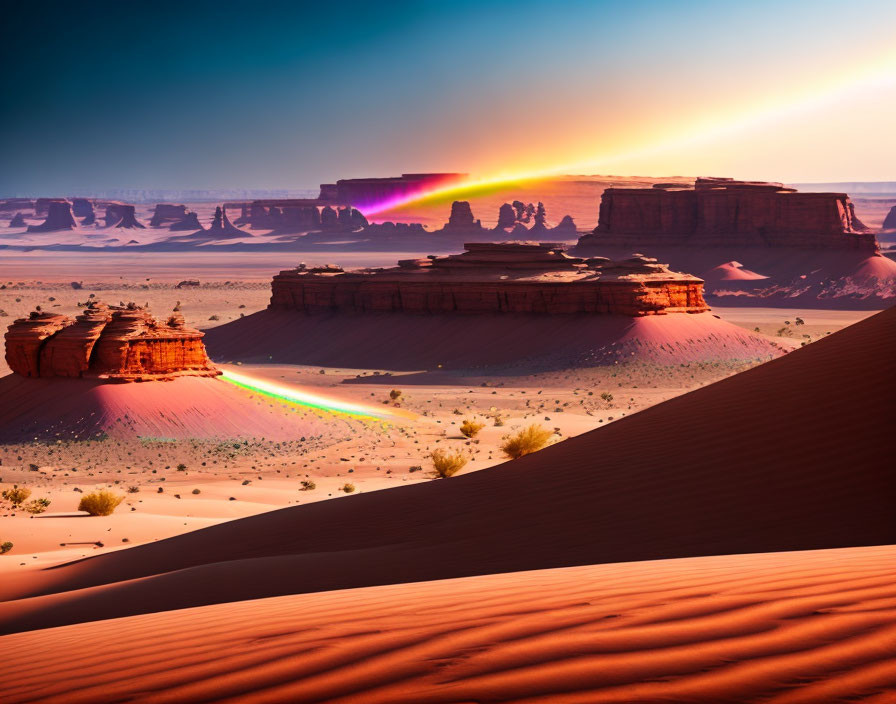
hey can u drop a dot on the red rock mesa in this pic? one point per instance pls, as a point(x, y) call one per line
point(724, 212)
point(495, 278)
point(167, 213)
point(59, 217)
point(119, 343)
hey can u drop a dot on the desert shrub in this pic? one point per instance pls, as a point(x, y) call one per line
point(308, 485)
point(195, 491)
point(100, 503)
point(181, 467)
point(470, 428)
point(348, 488)
point(133, 489)
point(17, 494)
point(5, 547)
point(607, 396)
point(527, 441)
point(447, 464)
point(37, 506)
point(214, 317)
point(499, 421)
point(395, 394)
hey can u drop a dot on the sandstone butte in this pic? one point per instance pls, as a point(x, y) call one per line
point(495, 278)
point(724, 212)
point(117, 343)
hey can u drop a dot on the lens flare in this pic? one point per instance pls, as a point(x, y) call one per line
point(880, 75)
point(320, 402)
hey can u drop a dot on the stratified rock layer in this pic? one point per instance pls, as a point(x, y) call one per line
point(723, 212)
point(495, 278)
point(121, 343)
point(166, 213)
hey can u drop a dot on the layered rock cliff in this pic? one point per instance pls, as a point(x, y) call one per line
point(59, 217)
point(120, 343)
point(495, 278)
point(724, 212)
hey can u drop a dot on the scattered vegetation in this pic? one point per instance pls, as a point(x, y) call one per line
point(447, 464)
point(5, 547)
point(395, 394)
point(308, 485)
point(528, 440)
point(17, 495)
point(607, 396)
point(348, 488)
point(37, 506)
point(470, 428)
point(100, 503)
point(133, 489)
point(181, 467)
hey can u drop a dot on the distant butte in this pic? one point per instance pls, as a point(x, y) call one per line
point(118, 343)
point(723, 212)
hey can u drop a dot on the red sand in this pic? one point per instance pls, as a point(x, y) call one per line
point(187, 407)
point(401, 342)
point(791, 455)
point(776, 628)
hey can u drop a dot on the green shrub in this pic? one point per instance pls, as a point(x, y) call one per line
point(447, 464)
point(470, 428)
point(527, 441)
point(100, 503)
point(16, 495)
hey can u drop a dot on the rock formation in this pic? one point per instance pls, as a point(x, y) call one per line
point(18, 220)
point(122, 215)
point(222, 227)
point(10, 204)
point(890, 220)
point(495, 278)
point(166, 213)
point(81, 207)
point(189, 223)
point(59, 217)
point(119, 343)
point(724, 212)
point(461, 217)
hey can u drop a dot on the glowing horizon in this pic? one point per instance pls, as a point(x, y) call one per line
point(316, 401)
point(880, 75)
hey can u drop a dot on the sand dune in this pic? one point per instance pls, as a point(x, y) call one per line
point(186, 407)
point(776, 458)
point(816, 626)
point(413, 342)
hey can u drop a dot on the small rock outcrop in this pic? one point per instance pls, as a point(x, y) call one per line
point(488, 277)
point(189, 223)
point(890, 220)
point(118, 343)
point(167, 213)
point(221, 226)
point(59, 217)
point(18, 220)
point(723, 212)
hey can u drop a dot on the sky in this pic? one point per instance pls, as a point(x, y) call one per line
point(289, 95)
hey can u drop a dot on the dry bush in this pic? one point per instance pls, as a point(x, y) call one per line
point(37, 506)
point(447, 464)
point(16, 495)
point(5, 547)
point(100, 503)
point(308, 485)
point(470, 428)
point(395, 394)
point(527, 441)
point(348, 488)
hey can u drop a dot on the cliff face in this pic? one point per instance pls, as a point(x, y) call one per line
point(117, 343)
point(59, 217)
point(495, 278)
point(723, 212)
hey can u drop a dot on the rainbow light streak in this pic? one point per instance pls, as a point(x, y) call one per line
point(318, 401)
point(881, 75)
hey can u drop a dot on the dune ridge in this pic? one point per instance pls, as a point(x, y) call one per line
point(768, 460)
point(785, 628)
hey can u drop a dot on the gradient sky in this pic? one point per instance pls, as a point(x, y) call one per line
point(287, 95)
